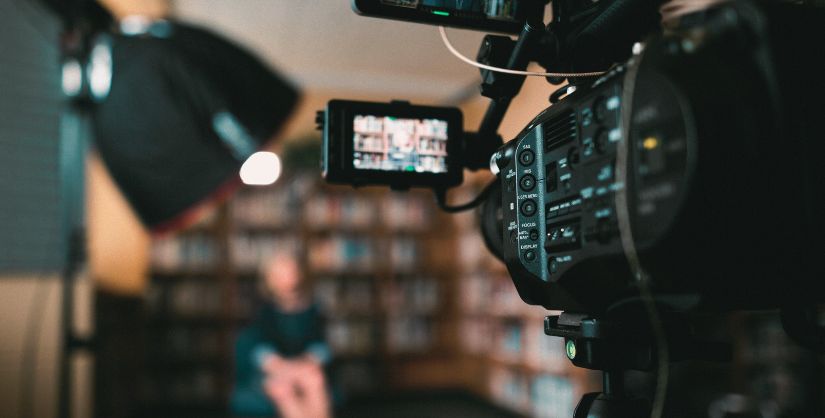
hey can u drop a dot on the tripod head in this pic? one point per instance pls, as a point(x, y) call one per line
point(615, 344)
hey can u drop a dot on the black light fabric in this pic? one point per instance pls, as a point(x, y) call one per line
point(156, 129)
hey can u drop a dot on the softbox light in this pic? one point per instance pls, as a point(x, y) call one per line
point(184, 110)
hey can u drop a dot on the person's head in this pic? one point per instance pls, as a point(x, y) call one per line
point(283, 280)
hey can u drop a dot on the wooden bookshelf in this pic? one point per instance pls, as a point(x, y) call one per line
point(187, 365)
point(505, 353)
point(375, 259)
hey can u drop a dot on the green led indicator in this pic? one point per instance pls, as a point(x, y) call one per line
point(440, 13)
point(409, 168)
point(571, 349)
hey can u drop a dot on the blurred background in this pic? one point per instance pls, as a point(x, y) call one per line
point(420, 318)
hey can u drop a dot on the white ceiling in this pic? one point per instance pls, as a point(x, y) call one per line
point(324, 45)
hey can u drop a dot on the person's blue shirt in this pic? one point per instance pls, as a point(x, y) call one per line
point(288, 334)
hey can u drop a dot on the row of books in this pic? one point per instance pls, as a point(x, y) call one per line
point(356, 377)
point(412, 295)
point(402, 334)
point(339, 295)
point(338, 253)
point(342, 253)
point(282, 207)
point(248, 253)
point(409, 295)
point(195, 298)
point(195, 386)
point(267, 208)
point(192, 252)
point(409, 333)
point(408, 210)
point(200, 252)
point(340, 211)
point(395, 211)
point(181, 343)
point(201, 297)
point(473, 255)
point(540, 396)
point(494, 294)
point(404, 253)
point(335, 253)
point(351, 336)
point(514, 342)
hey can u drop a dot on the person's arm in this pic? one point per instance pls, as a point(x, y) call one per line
point(247, 397)
point(268, 360)
point(319, 352)
point(244, 367)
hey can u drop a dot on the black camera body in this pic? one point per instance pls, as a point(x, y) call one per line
point(725, 184)
point(689, 179)
point(506, 16)
point(395, 144)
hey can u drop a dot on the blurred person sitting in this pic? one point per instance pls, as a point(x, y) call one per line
point(280, 358)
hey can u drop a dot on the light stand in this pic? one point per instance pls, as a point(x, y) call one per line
point(73, 147)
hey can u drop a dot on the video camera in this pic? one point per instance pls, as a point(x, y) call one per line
point(688, 174)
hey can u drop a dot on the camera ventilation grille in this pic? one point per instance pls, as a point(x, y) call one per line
point(559, 129)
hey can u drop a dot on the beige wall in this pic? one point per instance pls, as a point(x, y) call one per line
point(17, 298)
point(152, 8)
point(118, 243)
point(30, 311)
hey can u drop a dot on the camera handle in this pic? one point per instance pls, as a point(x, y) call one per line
point(613, 346)
point(479, 146)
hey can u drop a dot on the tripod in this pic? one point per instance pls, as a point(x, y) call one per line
point(614, 345)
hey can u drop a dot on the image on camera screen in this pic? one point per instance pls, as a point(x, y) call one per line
point(492, 9)
point(387, 143)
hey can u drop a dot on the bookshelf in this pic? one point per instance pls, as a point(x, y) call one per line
point(188, 351)
point(376, 265)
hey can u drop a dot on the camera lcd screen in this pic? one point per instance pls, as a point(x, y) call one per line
point(396, 143)
point(388, 143)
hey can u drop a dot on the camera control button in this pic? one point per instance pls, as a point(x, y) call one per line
point(526, 157)
point(600, 109)
point(534, 235)
point(601, 141)
point(528, 182)
point(530, 255)
point(553, 265)
point(528, 207)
